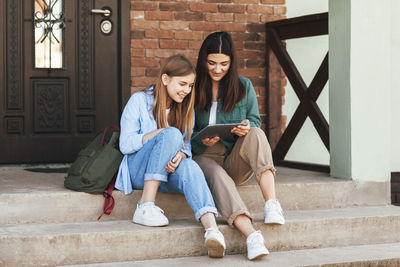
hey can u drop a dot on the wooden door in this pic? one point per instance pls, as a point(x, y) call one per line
point(62, 83)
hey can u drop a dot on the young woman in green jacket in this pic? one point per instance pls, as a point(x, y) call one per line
point(222, 96)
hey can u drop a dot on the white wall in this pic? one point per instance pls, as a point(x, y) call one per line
point(360, 83)
point(307, 54)
point(395, 81)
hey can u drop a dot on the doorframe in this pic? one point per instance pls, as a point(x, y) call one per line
point(125, 54)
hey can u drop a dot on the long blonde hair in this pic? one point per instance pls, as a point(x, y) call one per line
point(180, 114)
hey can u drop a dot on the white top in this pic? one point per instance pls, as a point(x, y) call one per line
point(213, 113)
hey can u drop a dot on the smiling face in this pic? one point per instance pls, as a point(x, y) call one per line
point(178, 87)
point(218, 66)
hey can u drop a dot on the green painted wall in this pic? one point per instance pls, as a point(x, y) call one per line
point(360, 95)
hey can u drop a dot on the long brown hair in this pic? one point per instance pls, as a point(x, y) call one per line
point(231, 90)
point(180, 114)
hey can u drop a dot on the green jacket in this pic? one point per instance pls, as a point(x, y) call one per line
point(247, 108)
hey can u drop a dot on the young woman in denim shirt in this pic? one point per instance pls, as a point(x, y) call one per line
point(222, 96)
point(156, 126)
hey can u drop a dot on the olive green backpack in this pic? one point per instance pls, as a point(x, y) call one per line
point(96, 166)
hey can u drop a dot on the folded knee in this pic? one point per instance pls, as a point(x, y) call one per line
point(173, 135)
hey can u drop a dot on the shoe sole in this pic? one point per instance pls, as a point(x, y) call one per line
point(149, 224)
point(274, 222)
point(215, 248)
point(259, 256)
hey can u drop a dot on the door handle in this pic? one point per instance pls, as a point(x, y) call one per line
point(105, 12)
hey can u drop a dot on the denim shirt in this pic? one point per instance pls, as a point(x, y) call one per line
point(136, 121)
point(247, 108)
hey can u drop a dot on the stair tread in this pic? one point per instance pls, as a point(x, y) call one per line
point(17, 180)
point(387, 252)
point(14, 230)
point(24, 194)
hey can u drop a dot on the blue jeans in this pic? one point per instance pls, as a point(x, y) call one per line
point(148, 164)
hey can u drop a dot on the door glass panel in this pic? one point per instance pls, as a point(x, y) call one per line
point(49, 24)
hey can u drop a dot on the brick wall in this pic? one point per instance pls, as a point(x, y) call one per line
point(160, 29)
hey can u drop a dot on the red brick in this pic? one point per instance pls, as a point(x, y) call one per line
point(218, 1)
point(273, 2)
point(144, 24)
point(144, 43)
point(137, 72)
point(262, 109)
point(254, 45)
point(232, 27)
point(248, 54)
point(260, 81)
point(186, 35)
point(159, 34)
point(260, 9)
point(283, 82)
point(195, 44)
point(174, 44)
point(255, 27)
point(159, 15)
point(143, 81)
point(231, 8)
point(251, 63)
point(146, 5)
point(137, 34)
point(262, 91)
point(265, 18)
point(242, 36)
point(200, 7)
point(283, 90)
point(137, 52)
point(246, 1)
point(238, 45)
point(137, 14)
point(203, 26)
point(219, 17)
point(144, 62)
point(173, 6)
point(247, 18)
point(173, 25)
point(152, 72)
point(275, 18)
point(253, 72)
point(159, 53)
point(279, 10)
point(262, 100)
point(189, 53)
point(189, 16)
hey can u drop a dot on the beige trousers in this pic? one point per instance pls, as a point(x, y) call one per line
point(251, 155)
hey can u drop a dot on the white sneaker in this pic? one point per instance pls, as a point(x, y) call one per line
point(215, 243)
point(273, 212)
point(255, 246)
point(150, 215)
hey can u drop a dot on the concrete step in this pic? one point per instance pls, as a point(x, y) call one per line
point(32, 197)
point(365, 255)
point(121, 240)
